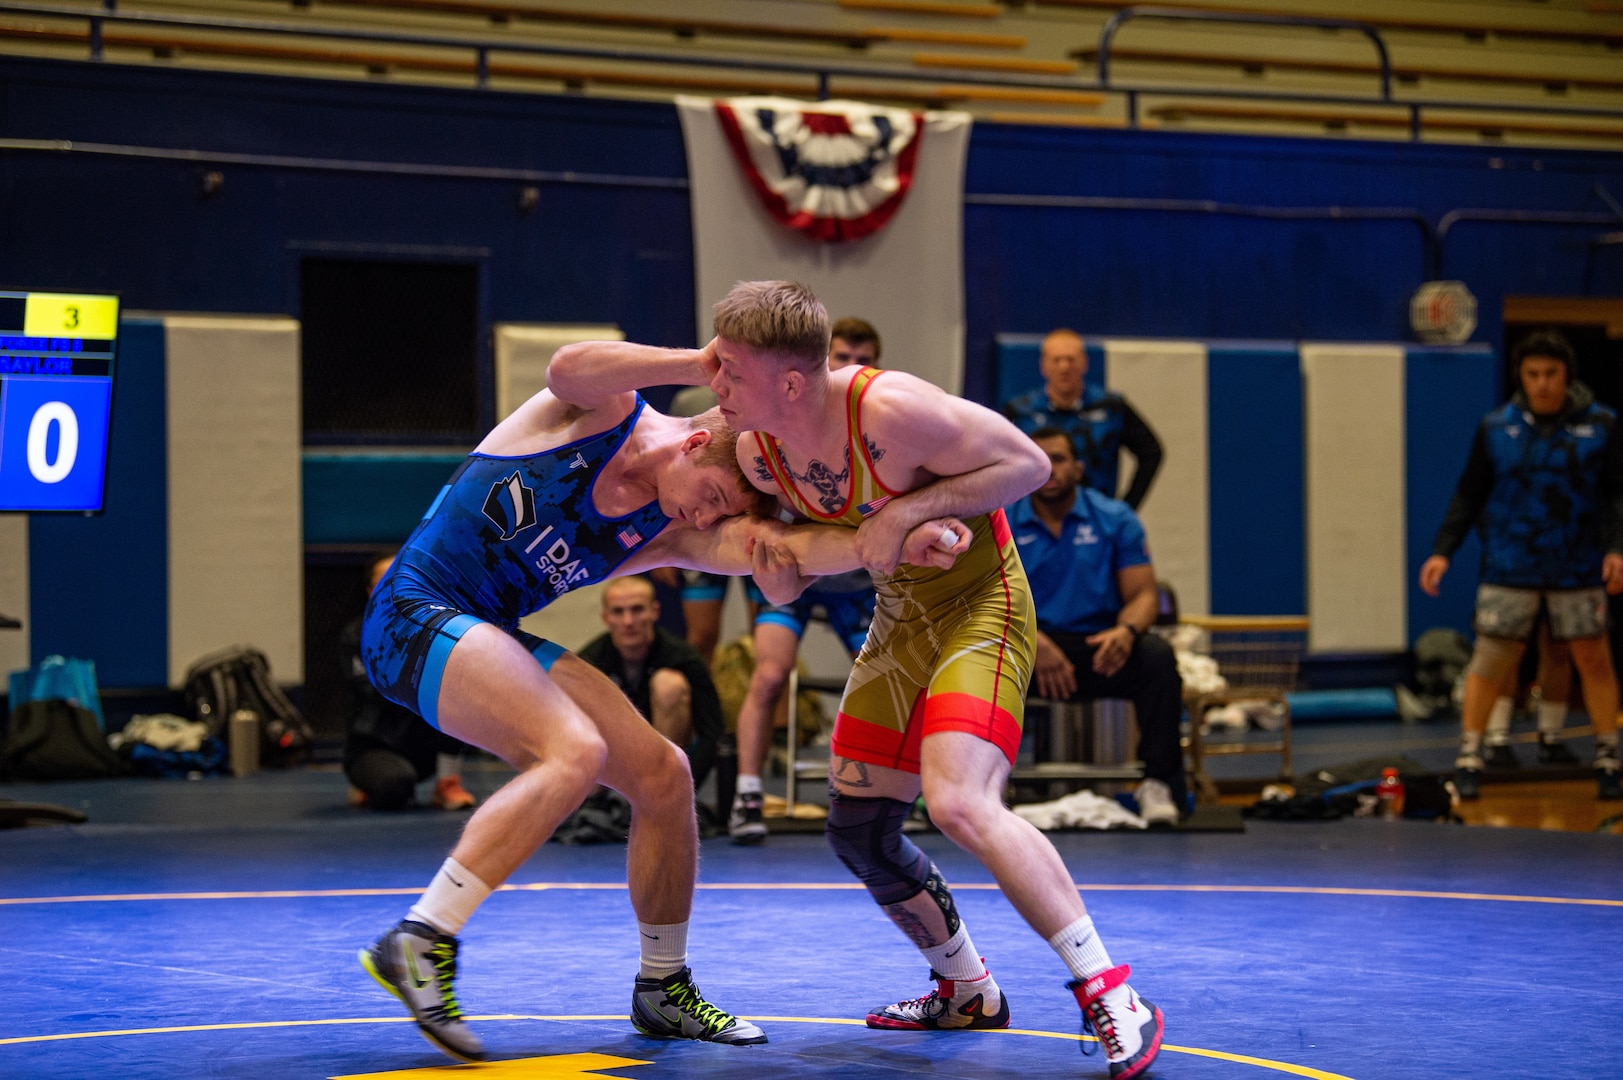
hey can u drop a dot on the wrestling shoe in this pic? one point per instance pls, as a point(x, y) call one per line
point(673, 1008)
point(1555, 752)
point(1500, 756)
point(1608, 779)
point(1127, 1026)
point(417, 964)
point(744, 824)
point(449, 794)
point(951, 1006)
point(1468, 777)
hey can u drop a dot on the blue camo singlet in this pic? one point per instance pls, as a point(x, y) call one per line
point(505, 537)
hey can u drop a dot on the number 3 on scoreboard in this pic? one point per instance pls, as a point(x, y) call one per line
point(67, 315)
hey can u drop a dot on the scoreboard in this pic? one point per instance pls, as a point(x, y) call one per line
point(56, 395)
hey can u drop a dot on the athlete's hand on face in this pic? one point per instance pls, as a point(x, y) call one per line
point(1114, 647)
point(709, 362)
point(1611, 572)
point(1433, 569)
point(776, 571)
point(1056, 675)
point(928, 544)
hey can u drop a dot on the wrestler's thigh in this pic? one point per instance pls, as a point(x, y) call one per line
point(495, 695)
point(865, 780)
point(636, 749)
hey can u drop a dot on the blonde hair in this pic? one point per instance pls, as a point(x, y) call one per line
point(722, 452)
point(780, 317)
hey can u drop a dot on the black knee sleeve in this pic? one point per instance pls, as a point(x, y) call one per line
point(867, 836)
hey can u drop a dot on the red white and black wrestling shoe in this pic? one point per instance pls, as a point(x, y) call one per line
point(951, 1006)
point(1127, 1026)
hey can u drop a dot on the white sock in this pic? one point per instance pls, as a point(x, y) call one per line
point(447, 765)
point(1499, 721)
point(956, 958)
point(450, 898)
point(1470, 743)
point(1079, 946)
point(1552, 717)
point(748, 785)
point(664, 948)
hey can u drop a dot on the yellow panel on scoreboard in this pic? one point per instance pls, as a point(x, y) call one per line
point(71, 315)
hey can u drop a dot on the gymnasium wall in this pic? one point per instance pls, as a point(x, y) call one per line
point(198, 547)
point(347, 170)
point(1300, 478)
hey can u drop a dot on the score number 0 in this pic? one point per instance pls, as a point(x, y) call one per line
point(62, 415)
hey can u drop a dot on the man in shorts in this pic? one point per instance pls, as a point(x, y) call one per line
point(936, 698)
point(1544, 487)
point(846, 601)
point(582, 482)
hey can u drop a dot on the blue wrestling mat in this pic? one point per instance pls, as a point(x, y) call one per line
point(1354, 949)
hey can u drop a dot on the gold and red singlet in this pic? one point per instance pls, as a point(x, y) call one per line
point(950, 650)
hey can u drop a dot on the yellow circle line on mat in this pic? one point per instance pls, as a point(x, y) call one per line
point(1261, 1063)
point(826, 886)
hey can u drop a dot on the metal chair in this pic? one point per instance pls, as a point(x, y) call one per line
point(1086, 742)
point(1259, 657)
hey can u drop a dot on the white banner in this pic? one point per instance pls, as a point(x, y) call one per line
point(906, 279)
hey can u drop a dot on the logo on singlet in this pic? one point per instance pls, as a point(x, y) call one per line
point(580, 461)
point(510, 506)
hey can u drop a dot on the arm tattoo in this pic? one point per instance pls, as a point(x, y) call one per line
point(911, 925)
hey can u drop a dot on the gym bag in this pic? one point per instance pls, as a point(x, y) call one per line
point(223, 682)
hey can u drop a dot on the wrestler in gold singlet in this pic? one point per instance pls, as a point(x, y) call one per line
point(950, 650)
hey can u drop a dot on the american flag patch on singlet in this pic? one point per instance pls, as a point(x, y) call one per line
point(868, 509)
point(629, 538)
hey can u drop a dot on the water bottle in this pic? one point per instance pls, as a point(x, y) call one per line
point(1390, 793)
point(243, 740)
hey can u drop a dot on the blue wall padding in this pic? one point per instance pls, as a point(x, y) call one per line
point(1310, 705)
point(99, 586)
point(1445, 395)
point(1255, 468)
point(1157, 274)
point(1019, 365)
point(370, 498)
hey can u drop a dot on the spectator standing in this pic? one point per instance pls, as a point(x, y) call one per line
point(1099, 424)
point(1096, 597)
point(1543, 486)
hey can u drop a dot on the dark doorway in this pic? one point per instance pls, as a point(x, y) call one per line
point(391, 351)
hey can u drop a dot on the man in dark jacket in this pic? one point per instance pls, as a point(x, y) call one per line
point(665, 677)
point(1101, 425)
point(1544, 488)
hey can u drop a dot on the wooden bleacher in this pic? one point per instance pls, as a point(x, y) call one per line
point(1587, 26)
point(1552, 81)
point(1546, 55)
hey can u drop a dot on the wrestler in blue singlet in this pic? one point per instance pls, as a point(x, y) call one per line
point(505, 537)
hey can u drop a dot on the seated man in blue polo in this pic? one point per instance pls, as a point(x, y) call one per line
point(1096, 596)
